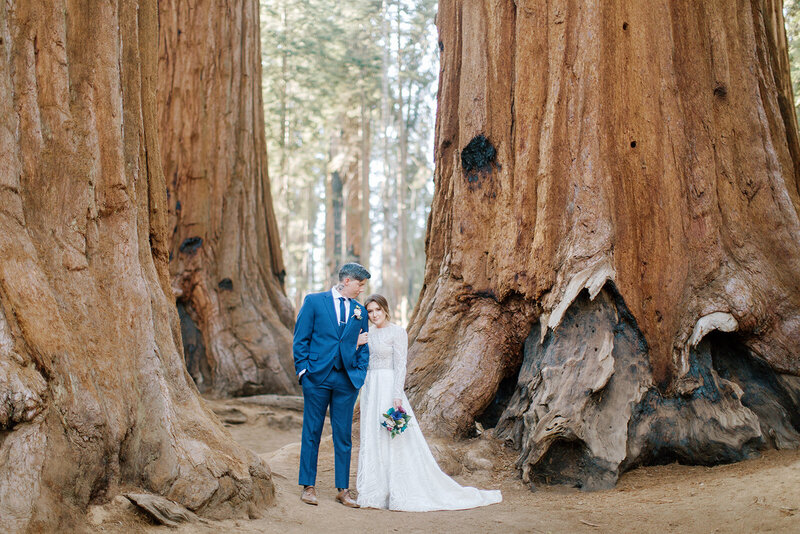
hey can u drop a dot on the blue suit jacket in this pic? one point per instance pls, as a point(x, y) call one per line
point(317, 340)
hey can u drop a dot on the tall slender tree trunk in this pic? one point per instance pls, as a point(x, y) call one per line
point(309, 281)
point(389, 251)
point(402, 183)
point(284, 120)
point(344, 207)
point(352, 186)
point(333, 224)
point(93, 391)
point(226, 255)
point(365, 157)
point(613, 258)
point(402, 206)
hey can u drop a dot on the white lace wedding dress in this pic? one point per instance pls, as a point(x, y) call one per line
point(400, 473)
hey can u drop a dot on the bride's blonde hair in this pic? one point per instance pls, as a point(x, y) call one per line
point(381, 301)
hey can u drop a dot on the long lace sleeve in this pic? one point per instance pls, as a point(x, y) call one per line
point(399, 356)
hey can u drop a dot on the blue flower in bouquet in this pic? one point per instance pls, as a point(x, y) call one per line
point(395, 421)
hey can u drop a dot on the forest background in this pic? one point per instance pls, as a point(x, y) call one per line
point(349, 102)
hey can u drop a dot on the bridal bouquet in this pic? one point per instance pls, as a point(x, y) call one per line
point(395, 421)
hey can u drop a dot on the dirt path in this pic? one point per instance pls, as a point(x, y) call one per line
point(758, 495)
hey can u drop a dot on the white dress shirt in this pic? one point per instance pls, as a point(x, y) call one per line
point(336, 297)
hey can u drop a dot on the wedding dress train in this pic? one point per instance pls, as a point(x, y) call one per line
point(400, 473)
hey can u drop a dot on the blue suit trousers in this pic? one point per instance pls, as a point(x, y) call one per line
point(338, 392)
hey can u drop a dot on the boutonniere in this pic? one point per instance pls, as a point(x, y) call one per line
point(357, 312)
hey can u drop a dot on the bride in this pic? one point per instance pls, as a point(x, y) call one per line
point(399, 473)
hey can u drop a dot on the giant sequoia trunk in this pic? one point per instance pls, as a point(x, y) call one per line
point(613, 272)
point(226, 261)
point(93, 391)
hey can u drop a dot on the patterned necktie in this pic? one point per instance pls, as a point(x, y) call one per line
point(342, 315)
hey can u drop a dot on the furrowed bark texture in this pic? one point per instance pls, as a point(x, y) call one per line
point(93, 390)
point(345, 164)
point(615, 181)
point(226, 262)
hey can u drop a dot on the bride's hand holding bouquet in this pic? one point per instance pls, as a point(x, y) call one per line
point(396, 419)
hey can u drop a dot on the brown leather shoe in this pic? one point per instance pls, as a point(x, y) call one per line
point(309, 495)
point(346, 499)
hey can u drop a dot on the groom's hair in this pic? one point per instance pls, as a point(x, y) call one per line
point(355, 271)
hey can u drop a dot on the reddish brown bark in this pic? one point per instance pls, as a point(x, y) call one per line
point(227, 265)
point(351, 170)
point(93, 391)
point(345, 234)
point(644, 154)
point(333, 224)
point(365, 155)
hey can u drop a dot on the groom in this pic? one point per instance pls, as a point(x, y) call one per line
point(331, 369)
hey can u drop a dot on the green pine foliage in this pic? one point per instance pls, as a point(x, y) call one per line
point(321, 61)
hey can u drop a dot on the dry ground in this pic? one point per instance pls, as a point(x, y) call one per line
point(761, 495)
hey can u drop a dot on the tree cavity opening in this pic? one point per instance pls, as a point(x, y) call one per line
point(505, 390)
point(194, 348)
